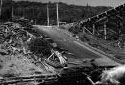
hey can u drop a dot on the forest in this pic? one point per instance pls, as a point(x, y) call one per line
point(38, 11)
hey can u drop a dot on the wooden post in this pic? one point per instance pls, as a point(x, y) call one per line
point(119, 25)
point(105, 31)
point(83, 30)
point(93, 29)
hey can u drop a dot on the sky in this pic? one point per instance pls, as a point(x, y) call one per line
point(112, 3)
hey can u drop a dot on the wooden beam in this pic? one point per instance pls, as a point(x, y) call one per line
point(87, 30)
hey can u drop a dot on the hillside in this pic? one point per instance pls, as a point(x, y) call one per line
point(37, 11)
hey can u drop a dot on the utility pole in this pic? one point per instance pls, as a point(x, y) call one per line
point(57, 6)
point(1, 3)
point(12, 12)
point(47, 15)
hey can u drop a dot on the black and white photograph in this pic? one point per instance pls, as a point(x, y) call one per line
point(62, 42)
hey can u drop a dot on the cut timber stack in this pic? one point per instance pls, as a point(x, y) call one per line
point(18, 63)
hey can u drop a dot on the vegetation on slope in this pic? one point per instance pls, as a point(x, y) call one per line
point(38, 11)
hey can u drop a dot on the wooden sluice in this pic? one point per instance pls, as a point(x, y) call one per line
point(37, 78)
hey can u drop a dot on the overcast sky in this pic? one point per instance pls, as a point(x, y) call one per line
point(113, 3)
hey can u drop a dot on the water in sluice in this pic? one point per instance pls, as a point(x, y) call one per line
point(71, 81)
point(77, 78)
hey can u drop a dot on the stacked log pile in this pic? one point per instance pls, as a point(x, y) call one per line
point(16, 55)
point(21, 44)
point(13, 38)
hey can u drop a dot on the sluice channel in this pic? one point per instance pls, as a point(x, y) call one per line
point(79, 76)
